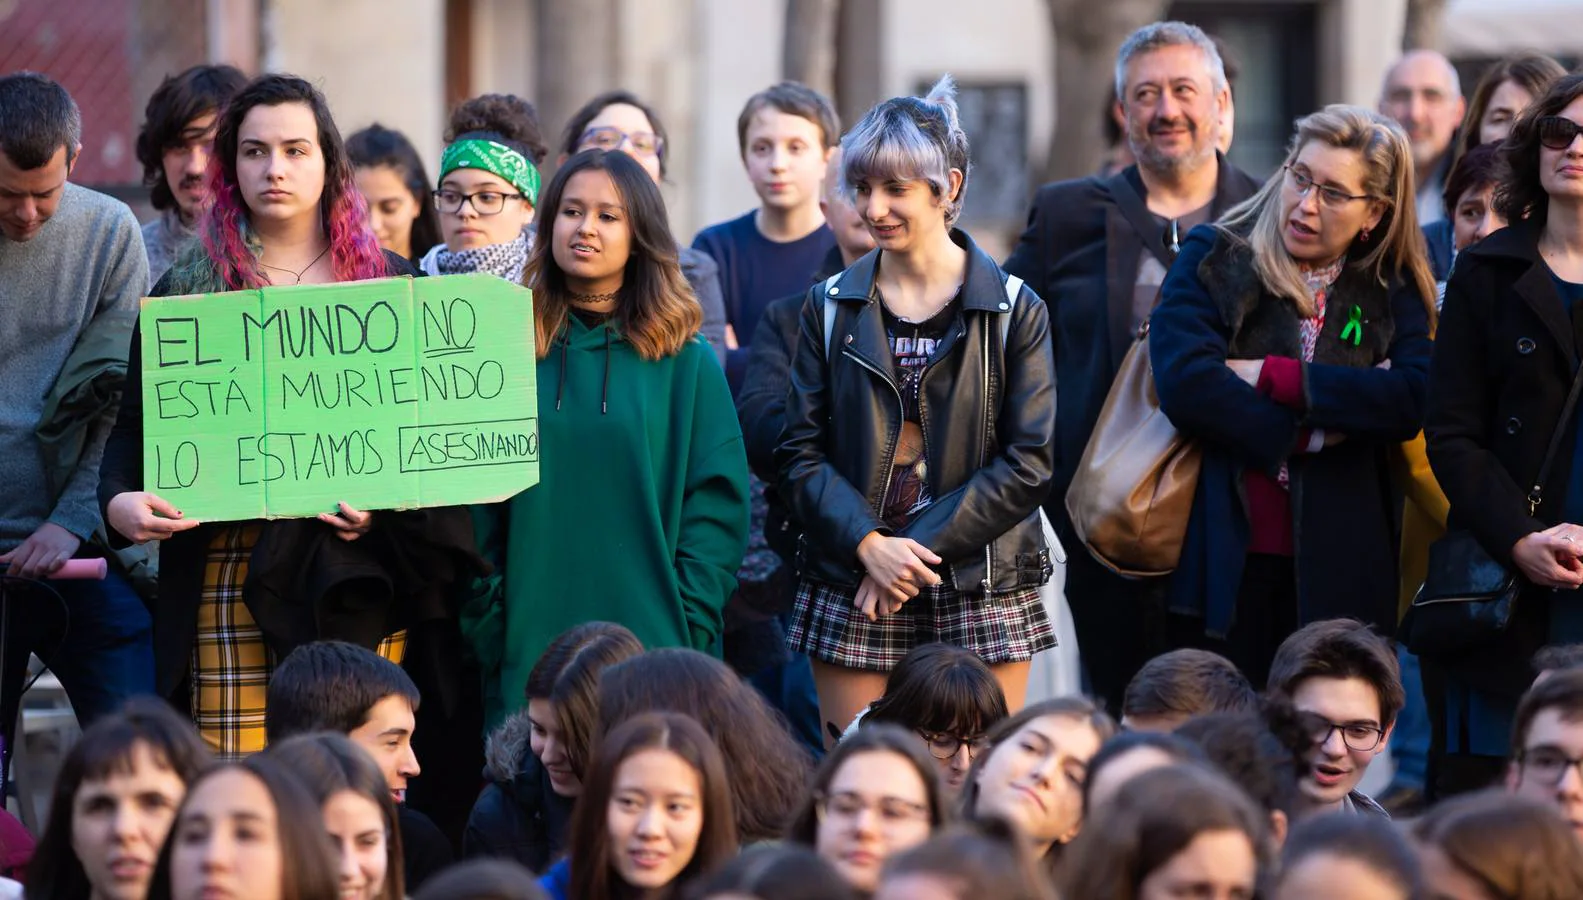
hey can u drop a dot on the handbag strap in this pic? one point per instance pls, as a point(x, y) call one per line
point(1536, 493)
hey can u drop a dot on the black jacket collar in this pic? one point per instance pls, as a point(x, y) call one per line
point(1519, 241)
point(982, 286)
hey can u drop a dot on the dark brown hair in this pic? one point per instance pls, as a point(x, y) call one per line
point(1520, 194)
point(1562, 692)
point(308, 868)
point(984, 860)
point(777, 871)
point(1478, 168)
point(106, 748)
point(1176, 747)
point(1263, 753)
point(1512, 846)
point(178, 101)
point(482, 879)
point(1558, 657)
point(940, 688)
point(768, 769)
point(1188, 682)
point(1533, 72)
point(1079, 708)
point(1153, 818)
point(573, 135)
point(1374, 841)
point(655, 308)
point(574, 697)
point(593, 877)
point(502, 118)
point(1339, 648)
point(379, 147)
point(804, 828)
point(331, 686)
point(565, 647)
point(328, 763)
point(794, 99)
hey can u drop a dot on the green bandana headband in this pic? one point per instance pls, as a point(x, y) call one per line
point(495, 158)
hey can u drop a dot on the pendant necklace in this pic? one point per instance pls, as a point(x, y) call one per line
point(297, 275)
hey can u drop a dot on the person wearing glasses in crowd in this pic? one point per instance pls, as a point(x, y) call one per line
point(489, 185)
point(874, 796)
point(1345, 684)
point(1546, 760)
point(1504, 362)
point(619, 120)
point(950, 699)
point(1292, 342)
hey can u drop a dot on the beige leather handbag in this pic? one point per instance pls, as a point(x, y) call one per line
point(1133, 489)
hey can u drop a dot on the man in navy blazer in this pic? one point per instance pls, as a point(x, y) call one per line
point(1097, 249)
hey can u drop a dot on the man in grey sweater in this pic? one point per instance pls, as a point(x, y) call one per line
point(72, 268)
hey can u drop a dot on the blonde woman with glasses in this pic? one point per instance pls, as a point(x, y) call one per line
point(1292, 343)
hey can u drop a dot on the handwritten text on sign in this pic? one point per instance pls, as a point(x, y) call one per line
point(387, 394)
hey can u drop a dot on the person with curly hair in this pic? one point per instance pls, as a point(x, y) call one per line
point(488, 189)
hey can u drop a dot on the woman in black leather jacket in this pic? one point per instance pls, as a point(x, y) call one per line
point(919, 433)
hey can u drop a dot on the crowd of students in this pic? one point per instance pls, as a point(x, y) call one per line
point(765, 627)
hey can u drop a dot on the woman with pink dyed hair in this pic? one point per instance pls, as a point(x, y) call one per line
point(235, 596)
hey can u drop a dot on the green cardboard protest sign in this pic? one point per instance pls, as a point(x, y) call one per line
point(395, 393)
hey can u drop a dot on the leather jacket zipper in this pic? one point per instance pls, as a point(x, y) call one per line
point(983, 460)
point(890, 451)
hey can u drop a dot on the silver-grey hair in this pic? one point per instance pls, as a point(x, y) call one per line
point(1156, 35)
point(910, 139)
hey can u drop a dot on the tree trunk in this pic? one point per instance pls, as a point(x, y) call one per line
point(1424, 20)
point(1087, 36)
point(574, 36)
point(808, 54)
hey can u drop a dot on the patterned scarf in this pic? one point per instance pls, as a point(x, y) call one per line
point(502, 260)
point(1319, 282)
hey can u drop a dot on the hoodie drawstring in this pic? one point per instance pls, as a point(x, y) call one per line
point(604, 394)
point(560, 389)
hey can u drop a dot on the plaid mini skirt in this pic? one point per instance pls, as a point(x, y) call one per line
point(1000, 628)
point(231, 663)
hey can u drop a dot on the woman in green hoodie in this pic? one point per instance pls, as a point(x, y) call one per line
point(641, 512)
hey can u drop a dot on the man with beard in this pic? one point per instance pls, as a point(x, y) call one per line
point(174, 148)
point(1423, 93)
point(1096, 249)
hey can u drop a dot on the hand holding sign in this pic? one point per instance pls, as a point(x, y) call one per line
point(386, 394)
point(140, 516)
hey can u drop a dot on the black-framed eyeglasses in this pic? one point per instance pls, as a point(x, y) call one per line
point(1549, 765)
point(1360, 737)
point(1558, 132)
point(485, 203)
point(847, 805)
point(944, 746)
point(609, 137)
point(1333, 197)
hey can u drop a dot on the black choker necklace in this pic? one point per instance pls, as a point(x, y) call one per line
point(593, 299)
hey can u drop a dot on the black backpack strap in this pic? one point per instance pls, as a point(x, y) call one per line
point(1136, 211)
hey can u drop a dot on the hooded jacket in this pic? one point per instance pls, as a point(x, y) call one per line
point(640, 515)
point(518, 816)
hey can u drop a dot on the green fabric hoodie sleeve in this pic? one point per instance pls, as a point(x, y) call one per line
point(715, 509)
point(482, 608)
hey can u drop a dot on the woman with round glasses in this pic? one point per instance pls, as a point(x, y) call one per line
point(1504, 362)
point(619, 120)
point(949, 698)
point(489, 184)
point(1291, 344)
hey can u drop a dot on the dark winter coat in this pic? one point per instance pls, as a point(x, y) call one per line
point(1505, 355)
point(518, 816)
point(1344, 509)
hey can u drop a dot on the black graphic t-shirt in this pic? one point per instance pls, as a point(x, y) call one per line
point(913, 346)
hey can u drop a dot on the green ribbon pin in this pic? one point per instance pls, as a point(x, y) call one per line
point(1354, 328)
